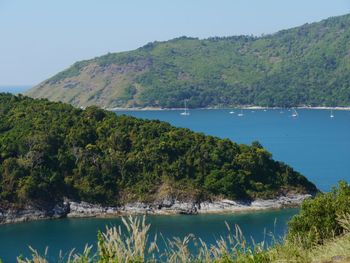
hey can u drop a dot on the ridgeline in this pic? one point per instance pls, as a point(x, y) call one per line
point(306, 65)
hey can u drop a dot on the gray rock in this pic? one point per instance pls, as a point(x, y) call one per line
point(166, 206)
point(32, 213)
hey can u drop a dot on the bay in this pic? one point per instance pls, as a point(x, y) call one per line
point(66, 234)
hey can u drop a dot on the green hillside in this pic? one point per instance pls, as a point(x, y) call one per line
point(306, 65)
point(52, 150)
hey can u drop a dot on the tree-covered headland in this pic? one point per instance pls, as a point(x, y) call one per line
point(50, 150)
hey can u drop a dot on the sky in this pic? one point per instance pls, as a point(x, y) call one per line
point(39, 38)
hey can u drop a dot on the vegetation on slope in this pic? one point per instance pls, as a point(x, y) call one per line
point(306, 65)
point(133, 244)
point(52, 150)
point(321, 218)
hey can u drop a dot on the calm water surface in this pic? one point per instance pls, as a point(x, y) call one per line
point(66, 234)
point(314, 144)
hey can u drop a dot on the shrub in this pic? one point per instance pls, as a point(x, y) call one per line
point(318, 219)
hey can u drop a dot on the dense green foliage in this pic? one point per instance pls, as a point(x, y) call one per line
point(319, 218)
point(306, 65)
point(52, 150)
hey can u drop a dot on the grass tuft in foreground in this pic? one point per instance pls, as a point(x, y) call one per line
point(320, 233)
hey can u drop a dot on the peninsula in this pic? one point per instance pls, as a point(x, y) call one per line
point(58, 160)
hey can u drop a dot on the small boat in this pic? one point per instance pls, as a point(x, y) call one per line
point(232, 112)
point(186, 112)
point(332, 115)
point(240, 114)
point(295, 113)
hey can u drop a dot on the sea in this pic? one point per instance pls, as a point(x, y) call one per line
point(14, 89)
point(313, 143)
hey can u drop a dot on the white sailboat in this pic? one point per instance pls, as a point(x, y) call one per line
point(240, 114)
point(332, 115)
point(232, 112)
point(186, 112)
point(295, 113)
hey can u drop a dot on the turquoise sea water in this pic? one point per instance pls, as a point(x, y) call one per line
point(66, 234)
point(313, 144)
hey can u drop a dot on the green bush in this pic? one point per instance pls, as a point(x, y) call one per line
point(318, 219)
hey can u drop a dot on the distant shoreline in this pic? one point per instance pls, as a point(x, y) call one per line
point(227, 108)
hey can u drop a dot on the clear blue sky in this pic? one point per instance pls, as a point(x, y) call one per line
point(41, 37)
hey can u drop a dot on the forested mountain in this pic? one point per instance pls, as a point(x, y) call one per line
point(52, 150)
point(306, 65)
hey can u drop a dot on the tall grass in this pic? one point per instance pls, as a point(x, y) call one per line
point(135, 245)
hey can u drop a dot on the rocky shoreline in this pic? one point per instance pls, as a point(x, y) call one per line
point(162, 207)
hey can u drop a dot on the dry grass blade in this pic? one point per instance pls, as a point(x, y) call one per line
point(178, 249)
point(85, 257)
point(36, 257)
point(131, 246)
point(344, 221)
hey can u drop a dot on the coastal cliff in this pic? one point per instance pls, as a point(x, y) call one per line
point(162, 207)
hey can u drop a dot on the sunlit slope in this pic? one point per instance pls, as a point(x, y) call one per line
point(306, 65)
